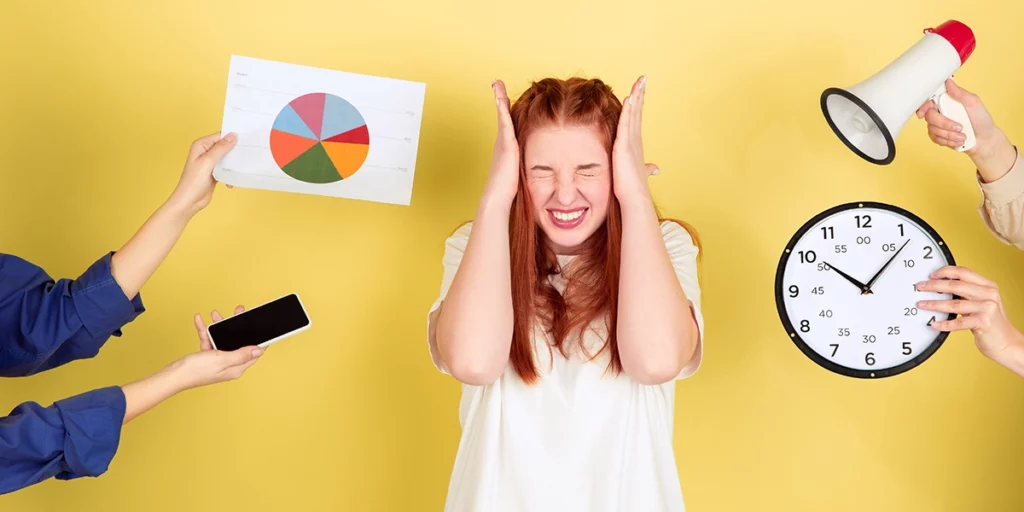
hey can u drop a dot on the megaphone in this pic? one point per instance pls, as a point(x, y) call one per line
point(868, 116)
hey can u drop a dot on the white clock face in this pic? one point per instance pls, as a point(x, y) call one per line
point(845, 289)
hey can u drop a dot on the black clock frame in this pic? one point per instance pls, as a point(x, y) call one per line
point(794, 333)
point(890, 144)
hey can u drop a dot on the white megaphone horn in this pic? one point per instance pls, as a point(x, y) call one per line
point(869, 116)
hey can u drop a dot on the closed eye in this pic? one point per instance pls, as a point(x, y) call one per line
point(541, 171)
point(589, 170)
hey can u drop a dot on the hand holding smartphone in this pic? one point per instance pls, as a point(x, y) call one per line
point(261, 326)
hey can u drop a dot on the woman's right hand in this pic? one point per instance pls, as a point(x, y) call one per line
point(981, 311)
point(993, 154)
point(210, 366)
point(503, 181)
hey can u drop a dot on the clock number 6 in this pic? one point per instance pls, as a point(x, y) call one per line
point(870, 358)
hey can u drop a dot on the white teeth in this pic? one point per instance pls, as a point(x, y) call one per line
point(566, 217)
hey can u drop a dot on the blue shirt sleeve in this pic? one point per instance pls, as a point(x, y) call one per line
point(73, 438)
point(46, 323)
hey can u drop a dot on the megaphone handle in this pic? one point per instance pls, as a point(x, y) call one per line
point(955, 110)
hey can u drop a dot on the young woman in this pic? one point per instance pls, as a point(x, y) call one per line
point(567, 309)
point(1000, 176)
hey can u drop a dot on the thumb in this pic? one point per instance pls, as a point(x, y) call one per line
point(241, 356)
point(652, 170)
point(958, 93)
point(221, 148)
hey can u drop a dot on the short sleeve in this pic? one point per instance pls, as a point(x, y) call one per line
point(454, 248)
point(683, 254)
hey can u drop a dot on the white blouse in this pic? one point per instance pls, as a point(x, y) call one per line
point(580, 439)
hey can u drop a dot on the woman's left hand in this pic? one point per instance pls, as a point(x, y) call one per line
point(629, 173)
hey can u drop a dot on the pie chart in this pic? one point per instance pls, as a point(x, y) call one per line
point(319, 138)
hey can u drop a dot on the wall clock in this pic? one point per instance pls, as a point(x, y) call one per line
point(845, 289)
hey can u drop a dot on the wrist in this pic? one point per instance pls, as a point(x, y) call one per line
point(175, 377)
point(180, 208)
point(1010, 355)
point(144, 394)
point(1014, 359)
point(994, 158)
point(638, 200)
point(493, 204)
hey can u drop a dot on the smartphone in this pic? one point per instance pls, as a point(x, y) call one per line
point(261, 325)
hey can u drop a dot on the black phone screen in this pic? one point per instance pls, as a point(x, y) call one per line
point(260, 324)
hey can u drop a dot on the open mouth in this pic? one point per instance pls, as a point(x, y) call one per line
point(567, 219)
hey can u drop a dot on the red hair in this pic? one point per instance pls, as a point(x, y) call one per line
point(592, 284)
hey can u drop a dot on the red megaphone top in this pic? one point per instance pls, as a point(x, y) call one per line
point(958, 35)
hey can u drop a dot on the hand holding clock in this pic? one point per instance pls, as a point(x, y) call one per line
point(982, 312)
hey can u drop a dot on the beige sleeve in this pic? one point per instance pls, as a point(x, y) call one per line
point(454, 248)
point(1002, 205)
point(683, 254)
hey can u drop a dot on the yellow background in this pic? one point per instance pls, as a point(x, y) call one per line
point(100, 101)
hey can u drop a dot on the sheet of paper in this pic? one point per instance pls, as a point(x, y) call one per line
point(320, 131)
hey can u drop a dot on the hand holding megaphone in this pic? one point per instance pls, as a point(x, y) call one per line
point(991, 150)
point(952, 108)
point(956, 118)
point(869, 115)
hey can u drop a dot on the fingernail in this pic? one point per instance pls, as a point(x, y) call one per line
point(958, 127)
point(230, 137)
point(256, 352)
point(656, 172)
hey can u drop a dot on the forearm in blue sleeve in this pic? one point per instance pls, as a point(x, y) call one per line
point(46, 323)
point(73, 438)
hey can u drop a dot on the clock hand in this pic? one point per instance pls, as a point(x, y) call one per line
point(879, 274)
point(863, 288)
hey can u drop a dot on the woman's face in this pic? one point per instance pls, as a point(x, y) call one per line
point(569, 177)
